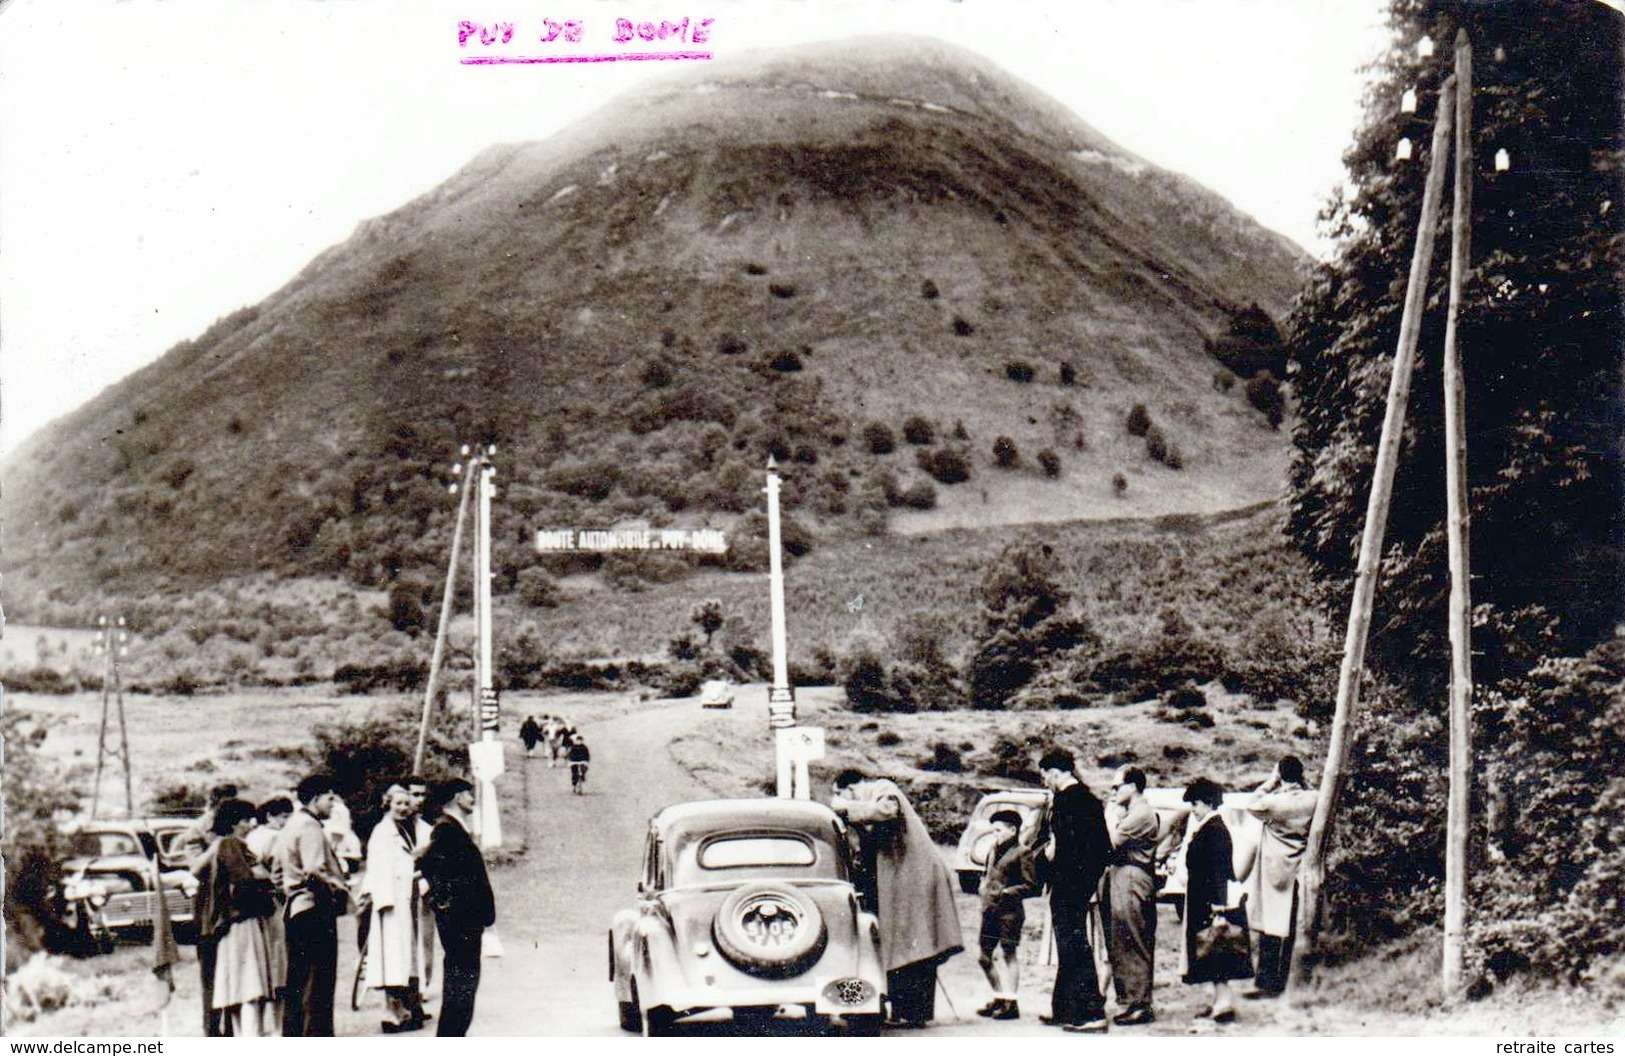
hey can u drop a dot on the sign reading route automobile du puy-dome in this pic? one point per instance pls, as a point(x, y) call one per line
point(703, 540)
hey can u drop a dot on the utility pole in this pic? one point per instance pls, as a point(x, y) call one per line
point(1458, 814)
point(112, 641)
point(1313, 872)
point(485, 754)
point(435, 658)
point(793, 746)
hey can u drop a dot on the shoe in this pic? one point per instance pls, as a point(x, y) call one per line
point(1010, 1011)
point(1261, 995)
point(1134, 1017)
point(987, 1010)
point(1051, 1021)
point(1227, 1016)
point(1091, 1026)
point(389, 1026)
point(1203, 1013)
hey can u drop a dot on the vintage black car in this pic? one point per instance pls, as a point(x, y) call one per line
point(108, 889)
point(746, 905)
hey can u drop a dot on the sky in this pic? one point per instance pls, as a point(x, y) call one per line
point(165, 162)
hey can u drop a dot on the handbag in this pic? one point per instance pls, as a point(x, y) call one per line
point(252, 898)
point(1225, 943)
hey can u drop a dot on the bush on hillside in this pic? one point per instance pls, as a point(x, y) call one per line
point(944, 758)
point(1264, 393)
point(918, 496)
point(1069, 374)
point(538, 589)
point(786, 362)
point(918, 431)
point(1026, 624)
point(946, 464)
point(879, 439)
point(929, 291)
point(1119, 485)
point(1005, 453)
point(1019, 371)
point(962, 327)
point(1050, 463)
point(1547, 901)
point(31, 843)
point(1138, 422)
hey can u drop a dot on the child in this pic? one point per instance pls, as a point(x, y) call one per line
point(1009, 879)
point(579, 758)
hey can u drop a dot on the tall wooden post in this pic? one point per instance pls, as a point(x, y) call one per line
point(1312, 876)
point(439, 652)
point(1459, 811)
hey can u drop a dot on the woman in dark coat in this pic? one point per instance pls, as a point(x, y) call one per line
point(240, 900)
point(1209, 869)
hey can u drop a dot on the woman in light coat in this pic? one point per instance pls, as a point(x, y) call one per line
point(398, 960)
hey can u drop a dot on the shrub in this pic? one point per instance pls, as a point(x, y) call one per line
point(1156, 444)
point(537, 588)
point(365, 756)
point(1005, 454)
point(920, 496)
point(732, 345)
point(946, 464)
point(918, 431)
point(1069, 374)
point(47, 681)
point(1264, 393)
point(1186, 697)
point(1025, 624)
point(1050, 462)
point(1138, 422)
point(1224, 381)
point(406, 607)
point(960, 432)
point(782, 290)
point(944, 758)
point(866, 683)
point(1016, 370)
point(887, 738)
point(928, 290)
point(880, 439)
point(1119, 485)
point(31, 843)
point(657, 374)
point(786, 362)
point(963, 328)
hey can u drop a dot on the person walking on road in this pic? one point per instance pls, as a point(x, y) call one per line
point(1008, 880)
point(919, 923)
point(530, 734)
point(313, 881)
point(579, 758)
point(1286, 806)
point(1075, 858)
point(460, 891)
point(1131, 895)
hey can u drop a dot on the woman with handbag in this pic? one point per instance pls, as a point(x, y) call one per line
point(242, 898)
point(1216, 948)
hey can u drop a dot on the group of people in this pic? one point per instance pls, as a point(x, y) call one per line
point(275, 879)
point(1089, 855)
point(563, 741)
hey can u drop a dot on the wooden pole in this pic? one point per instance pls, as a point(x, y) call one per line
point(1312, 876)
point(1459, 812)
point(445, 623)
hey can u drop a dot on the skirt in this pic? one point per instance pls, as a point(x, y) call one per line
point(242, 966)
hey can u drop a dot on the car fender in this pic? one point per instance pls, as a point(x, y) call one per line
point(869, 965)
point(657, 967)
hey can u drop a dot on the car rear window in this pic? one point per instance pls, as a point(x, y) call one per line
point(743, 852)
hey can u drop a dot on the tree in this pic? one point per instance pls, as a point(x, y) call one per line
point(1026, 623)
point(708, 616)
point(1540, 334)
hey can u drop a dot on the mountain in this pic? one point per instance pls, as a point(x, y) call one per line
point(767, 256)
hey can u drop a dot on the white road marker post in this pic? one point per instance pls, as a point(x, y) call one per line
point(781, 698)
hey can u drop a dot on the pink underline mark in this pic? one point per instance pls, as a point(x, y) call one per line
point(532, 60)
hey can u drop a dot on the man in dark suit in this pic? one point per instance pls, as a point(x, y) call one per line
point(1079, 848)
point(460, 892)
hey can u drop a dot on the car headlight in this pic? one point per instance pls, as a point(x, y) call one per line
point(98, 900)
point(849, 992)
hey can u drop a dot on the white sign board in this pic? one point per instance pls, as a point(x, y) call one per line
point(802, 744)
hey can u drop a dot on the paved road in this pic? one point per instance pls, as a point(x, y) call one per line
point(580, 864)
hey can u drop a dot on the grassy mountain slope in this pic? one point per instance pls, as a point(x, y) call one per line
point(741, 260)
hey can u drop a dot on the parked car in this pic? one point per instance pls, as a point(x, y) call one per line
point(976, 842)
point(717, 693)
point(746, 905)
point(107, 889)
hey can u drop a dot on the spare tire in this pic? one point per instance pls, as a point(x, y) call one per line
point(769, 929)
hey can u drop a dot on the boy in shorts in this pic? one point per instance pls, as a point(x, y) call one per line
point(1009, 879)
